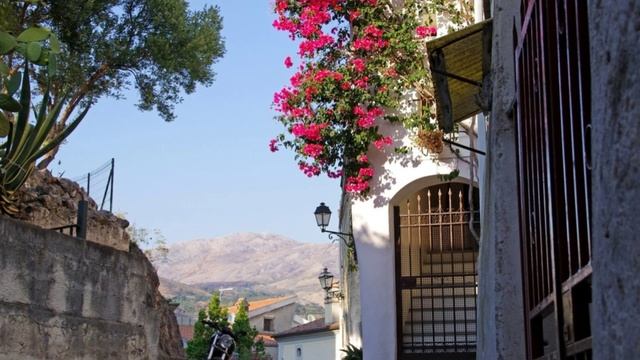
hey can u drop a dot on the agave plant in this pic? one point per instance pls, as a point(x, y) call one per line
point(352, 353)
point(26, 140)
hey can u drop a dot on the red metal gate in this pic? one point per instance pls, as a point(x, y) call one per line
point(553, 132)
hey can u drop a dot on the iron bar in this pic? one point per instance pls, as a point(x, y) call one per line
point(438, 272)
point(553, 114)
point(464, 146)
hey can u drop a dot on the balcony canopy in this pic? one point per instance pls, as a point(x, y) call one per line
point(459, 64)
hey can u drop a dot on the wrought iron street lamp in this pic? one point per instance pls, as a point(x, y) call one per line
point(323, 215)
point(326, 280)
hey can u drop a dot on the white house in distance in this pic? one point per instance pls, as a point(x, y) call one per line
point(317, 340)
point(269, 316)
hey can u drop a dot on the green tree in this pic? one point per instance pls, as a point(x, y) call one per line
point(244, 332)
point(159, 47)
point(260, 351)
point(152, 242)
point(198, 346)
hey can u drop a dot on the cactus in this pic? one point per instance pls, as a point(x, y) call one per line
point(26, 141)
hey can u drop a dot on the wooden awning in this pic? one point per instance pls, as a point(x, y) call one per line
point(459, 63)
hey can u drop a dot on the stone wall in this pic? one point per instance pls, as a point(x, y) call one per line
point(66, 298)
point(614, 31)
point(50, 202)
point(500, 303)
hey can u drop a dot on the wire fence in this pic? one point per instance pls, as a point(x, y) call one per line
point(99, 182)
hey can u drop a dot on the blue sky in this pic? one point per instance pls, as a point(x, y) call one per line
point(210, 172)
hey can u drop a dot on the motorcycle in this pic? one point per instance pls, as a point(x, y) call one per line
point(223, 342)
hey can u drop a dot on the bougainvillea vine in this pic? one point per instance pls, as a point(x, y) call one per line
point(355, 61)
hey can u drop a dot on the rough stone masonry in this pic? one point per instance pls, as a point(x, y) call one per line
point(66, 298)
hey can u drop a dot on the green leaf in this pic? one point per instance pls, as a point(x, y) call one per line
point(5, 126)
point(34, 50)
point(9, 104)
point(14, 83)
point(34, 34)
point(21, 48)
point(4, 69)
point(52, 66)
point(55, 44)
point(7, 42)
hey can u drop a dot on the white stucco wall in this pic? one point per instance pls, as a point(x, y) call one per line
point(350, 321)
point(319, 346)
point(396, 179)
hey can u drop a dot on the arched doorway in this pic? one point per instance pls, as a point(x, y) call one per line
point(436, 277)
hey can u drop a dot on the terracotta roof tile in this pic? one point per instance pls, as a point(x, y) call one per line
point(186, 331)
point(257, 304)
point(268, 340)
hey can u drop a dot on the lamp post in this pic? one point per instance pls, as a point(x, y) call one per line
point(323, 215)
point(326, 282)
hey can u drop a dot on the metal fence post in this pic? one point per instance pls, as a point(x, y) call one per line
point(81, 221)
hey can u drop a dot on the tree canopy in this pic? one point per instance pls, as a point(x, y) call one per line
point(244, 332)
point(159, 47)
point(198, 346)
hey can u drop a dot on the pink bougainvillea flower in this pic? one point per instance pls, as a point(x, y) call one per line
point(362, 83)
point(358, 64)
point(288, 62)
point(342, 83)
point(309, 170)
point(366, 172)
point(356, 185)
point(424, 31)
point(334, 174)
point(313, 150)
point(272, 145)
point(382, 142)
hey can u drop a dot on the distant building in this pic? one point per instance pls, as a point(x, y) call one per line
point(269, 316)
point(316, 340)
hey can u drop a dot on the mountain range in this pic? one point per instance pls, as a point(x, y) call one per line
point(248, 265)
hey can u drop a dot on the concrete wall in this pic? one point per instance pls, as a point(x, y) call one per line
point(319, 346)
point(500, 303)
point(397, 177)
point(615, 50)
point(64, 298)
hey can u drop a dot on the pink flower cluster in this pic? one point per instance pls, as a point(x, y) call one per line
point(358, 64)
point(371, 40)
point(309, 170)
point(382, 142)
point(424, 31)
point(340, 86)
point(311, 132)
point(273, 145)
point(313, 150)
point(367, 118)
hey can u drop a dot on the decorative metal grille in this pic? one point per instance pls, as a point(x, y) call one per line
point(436, 278)
point(553, 121)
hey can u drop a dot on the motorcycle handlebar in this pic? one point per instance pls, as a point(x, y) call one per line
point(224, 330)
